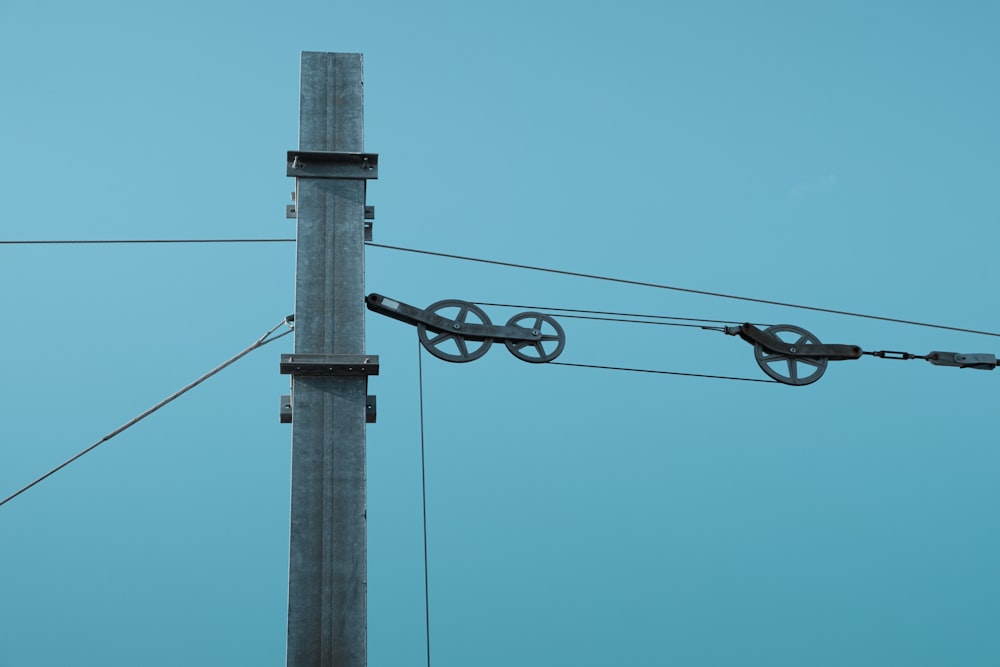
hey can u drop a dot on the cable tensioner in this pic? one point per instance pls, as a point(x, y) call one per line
point(792, 355)
point(459, 331)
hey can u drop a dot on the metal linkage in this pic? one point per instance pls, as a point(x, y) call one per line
point(781, 349)
point(467, 334)
point(981, 361)
point(790, 354)
point(892, 354)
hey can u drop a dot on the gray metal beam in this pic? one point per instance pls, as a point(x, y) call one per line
point(327, 583)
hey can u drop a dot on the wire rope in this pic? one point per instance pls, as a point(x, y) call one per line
point(260, 342)
point(593, 318)
point(577, 274)
point(657, 372)
point(423, 493)
point(687, 290)
point(139, 241)
point(604, 312)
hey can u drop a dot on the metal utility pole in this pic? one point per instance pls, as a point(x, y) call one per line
point(327, 587)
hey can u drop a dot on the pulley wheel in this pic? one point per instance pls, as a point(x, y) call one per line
point(787, 369)
point(452, 345)
point(546, 348)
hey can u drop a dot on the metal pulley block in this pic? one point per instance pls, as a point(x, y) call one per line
point(790, 354)
point(459, 331)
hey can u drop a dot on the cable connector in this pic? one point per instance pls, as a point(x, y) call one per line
point(982, 361)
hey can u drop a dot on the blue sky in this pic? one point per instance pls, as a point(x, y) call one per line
point(840, 155)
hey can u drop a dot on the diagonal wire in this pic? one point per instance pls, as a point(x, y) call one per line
point(687, 290)
point(594, 318)
point(607, 312)
point(260, 342)
point(646, 370)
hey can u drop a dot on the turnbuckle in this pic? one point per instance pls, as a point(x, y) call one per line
point(891, 354)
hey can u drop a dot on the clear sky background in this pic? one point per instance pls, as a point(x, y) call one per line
point(841, 155)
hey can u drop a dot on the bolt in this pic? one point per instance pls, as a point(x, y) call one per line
point(535, 332)
point(456, 326)
point(791, 349)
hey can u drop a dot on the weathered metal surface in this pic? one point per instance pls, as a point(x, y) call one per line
point(327, 587)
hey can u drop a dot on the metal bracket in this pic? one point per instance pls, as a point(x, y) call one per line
point(329, 365)
point(328, 164)
point(755, 336)
point(468, 330)
point(371, 411)
point(369, 222)
point(981, 361)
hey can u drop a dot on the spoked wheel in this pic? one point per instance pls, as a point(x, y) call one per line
point(788, 369)
point(452, 345)
point(546, 348)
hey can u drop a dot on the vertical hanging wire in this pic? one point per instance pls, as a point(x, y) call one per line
point(423, 493)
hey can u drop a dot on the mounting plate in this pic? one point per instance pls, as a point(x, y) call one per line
point(329, 364)
point(327, 164)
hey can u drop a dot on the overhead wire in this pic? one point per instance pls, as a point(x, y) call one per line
point(603, 312)
point(516, 265)
point(266, 339)
point(687, 290)
point(603, 316)
point(657, 372)
point(137, 241)
point(423, 495)
point(631, 321)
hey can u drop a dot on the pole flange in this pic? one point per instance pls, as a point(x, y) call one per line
point(332, 164)
point(329, 365)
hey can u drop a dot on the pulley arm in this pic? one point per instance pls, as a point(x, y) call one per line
point(470, 331)
point(801, 348)
point(533, 337)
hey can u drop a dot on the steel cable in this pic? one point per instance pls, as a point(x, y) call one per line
point(640, 283)
point(260, 342)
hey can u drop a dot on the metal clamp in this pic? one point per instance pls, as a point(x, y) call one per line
point(981, 361)
point(329, 164)
point(371, 409)
point(329, 365)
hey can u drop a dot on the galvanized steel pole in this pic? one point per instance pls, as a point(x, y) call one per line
point(327, 588)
